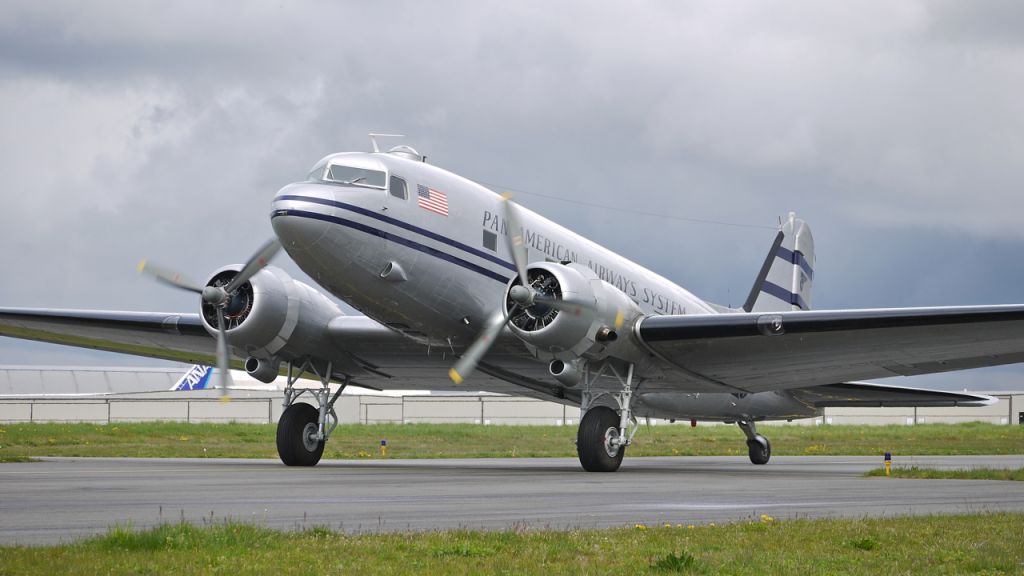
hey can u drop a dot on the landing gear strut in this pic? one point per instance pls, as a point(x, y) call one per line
point(303, 428)
point(759, 448)
point(603, 435)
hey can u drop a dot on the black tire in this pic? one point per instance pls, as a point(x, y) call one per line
point(595, 428)
point(760, 450)
point(293, 444)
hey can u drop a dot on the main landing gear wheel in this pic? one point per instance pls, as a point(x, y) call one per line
point(296, 436)
point(760, 449)
point(596, 440)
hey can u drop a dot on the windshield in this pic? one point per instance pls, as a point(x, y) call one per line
point(355, 176)
point(317, 173)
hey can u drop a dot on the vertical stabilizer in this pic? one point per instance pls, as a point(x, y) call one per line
point(784, 282)
point(197, 378)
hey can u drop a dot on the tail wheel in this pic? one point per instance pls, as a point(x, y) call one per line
point(296, 436)
point(760, 449)
point(596, 440)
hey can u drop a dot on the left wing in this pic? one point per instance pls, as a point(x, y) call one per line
point(785, 350)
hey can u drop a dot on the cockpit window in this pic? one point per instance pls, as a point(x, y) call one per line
point(356, 176)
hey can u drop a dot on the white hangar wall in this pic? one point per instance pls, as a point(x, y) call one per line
point(104, 395)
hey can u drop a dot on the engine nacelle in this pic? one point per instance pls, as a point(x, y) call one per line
point(600, 326)
point(269, 315)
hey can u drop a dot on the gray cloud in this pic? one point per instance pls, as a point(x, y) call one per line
point(162, 130)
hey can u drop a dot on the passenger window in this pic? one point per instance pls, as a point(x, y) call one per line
point(398, 188)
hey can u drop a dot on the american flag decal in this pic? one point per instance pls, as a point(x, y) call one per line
point(433, 200)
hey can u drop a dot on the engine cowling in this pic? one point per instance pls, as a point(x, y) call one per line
point(270, 314)
point(598, 327)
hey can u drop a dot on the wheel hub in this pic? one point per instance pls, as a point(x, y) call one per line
point(611, 441)
point(309, 440)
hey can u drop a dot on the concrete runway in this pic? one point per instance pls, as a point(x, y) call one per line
point(61, 499)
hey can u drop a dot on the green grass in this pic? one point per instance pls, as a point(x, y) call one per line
point(474, 441)
point(964, 544)
point(959, 474)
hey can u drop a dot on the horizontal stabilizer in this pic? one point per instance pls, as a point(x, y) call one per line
point(864, 394)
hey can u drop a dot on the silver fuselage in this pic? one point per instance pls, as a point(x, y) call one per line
point(435, 277)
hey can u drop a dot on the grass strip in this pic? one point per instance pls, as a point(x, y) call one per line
point(356, 441)
point(960, 544)
point(958, 474)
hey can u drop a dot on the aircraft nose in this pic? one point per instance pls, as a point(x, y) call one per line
point(300, 215)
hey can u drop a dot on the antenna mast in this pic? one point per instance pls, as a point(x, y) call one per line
point(374, 136)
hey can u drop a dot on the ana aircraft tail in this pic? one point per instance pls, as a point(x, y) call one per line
point(784, 282)
point(197, 378)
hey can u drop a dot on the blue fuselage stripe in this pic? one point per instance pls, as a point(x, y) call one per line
point(796, 257)
point(783, 294)
point(388, 236)
point(401, 224)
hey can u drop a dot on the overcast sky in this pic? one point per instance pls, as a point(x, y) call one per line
point(162, 130)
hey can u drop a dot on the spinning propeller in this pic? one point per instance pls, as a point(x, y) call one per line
point(220, 297)
point(525, 295)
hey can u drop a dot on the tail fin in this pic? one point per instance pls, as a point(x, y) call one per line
point(784, 282)
point(197, 378)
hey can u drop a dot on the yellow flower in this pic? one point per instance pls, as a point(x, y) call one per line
point(640, 527)
point(766, 518)
point(691, 526)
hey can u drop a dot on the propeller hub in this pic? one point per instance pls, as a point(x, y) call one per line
point(215, 295)
point(521, 295)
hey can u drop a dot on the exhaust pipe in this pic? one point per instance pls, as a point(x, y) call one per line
point(262, 369)
point(567, 373)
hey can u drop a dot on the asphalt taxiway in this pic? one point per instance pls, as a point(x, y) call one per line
point(62, 499)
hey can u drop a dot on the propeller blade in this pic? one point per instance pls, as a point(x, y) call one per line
point(223, 361)
point(168, 276)
point(469, 360)
point(516, 242)
point(256, 263)
point(569, 306)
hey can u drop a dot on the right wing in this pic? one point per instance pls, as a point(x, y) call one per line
point(169, 336)
point(376, 356)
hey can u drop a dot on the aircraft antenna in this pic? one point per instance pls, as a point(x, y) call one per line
point(373, 138)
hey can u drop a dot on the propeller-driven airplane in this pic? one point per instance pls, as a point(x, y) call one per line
point(461, 286)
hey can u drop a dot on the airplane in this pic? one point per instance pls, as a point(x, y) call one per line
point(201, 377)
point(460, 286)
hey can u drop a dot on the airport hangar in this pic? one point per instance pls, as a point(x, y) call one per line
point(126, 394)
